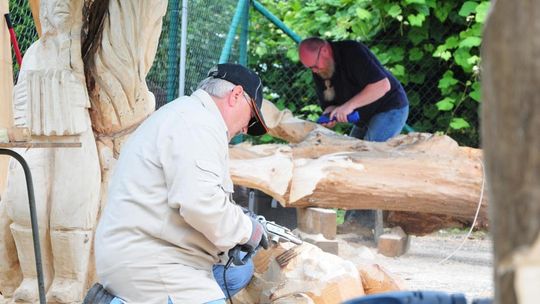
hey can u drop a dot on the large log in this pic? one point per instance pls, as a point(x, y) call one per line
point(417, 172)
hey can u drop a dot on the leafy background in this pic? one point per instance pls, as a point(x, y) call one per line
point(431, 46)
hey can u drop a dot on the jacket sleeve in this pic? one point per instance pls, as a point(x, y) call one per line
point(195, 160)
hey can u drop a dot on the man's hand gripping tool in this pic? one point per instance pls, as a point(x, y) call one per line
point(275, 232)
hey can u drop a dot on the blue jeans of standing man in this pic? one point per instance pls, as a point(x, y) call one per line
point(382, 126)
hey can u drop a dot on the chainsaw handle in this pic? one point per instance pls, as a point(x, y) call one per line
point(235, 255)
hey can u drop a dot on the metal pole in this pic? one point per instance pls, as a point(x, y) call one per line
point(33, 220)
point(226, 51)
point(244, 34)
point(183, 47)
point(171, 53)
point(259, 7)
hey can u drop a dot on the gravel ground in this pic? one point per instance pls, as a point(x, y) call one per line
point(469, 271)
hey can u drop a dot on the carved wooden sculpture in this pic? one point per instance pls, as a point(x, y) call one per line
point(51, 99)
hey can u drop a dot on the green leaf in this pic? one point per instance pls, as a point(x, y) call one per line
point(394, 11)
point(441, 52)
point(467, 8)
point(398, 70)
point(416, 20)
point(292, 54)
point(461, 57)
point(396, 54)
point(445, 104)
point(415, 1)
point(443, 11)
point(260, 50)
point(447, 80)
point(417, 35)
point(422, 9)
point(476, 93)
point(481, 12)
point(415, 54)
point(458, 123)
point(451, 42)
point(470, 42)
point(363, 14)
point(473, 60)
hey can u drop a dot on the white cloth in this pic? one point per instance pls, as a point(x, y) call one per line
point(169, 214)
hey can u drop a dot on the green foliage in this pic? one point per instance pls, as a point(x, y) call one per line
point(431, 46)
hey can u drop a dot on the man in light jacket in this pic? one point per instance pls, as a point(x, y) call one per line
point(169, 216)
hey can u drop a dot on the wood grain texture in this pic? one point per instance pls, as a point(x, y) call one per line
point(510, 125)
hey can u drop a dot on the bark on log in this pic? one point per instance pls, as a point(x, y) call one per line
point(510, 125)
point(417, 172)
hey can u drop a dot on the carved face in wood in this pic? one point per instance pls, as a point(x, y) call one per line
point(58, 16)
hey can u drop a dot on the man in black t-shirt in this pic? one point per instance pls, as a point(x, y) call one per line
point(349, 77)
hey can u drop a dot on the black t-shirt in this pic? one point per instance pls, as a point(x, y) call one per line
point(356, 67)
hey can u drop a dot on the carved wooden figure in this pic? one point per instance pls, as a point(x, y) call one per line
point(51, 98)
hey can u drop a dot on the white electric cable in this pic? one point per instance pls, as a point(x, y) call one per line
point(475, 216)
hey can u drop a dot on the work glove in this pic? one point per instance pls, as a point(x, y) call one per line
point(258, 238)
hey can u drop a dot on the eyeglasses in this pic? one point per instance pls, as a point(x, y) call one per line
point(316, 60)
point(251, 107)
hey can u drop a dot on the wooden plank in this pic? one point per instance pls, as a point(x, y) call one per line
point(40, 145)
point(6, 86)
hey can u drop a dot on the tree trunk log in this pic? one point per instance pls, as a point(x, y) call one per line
point(418, 172)
point(510, 125)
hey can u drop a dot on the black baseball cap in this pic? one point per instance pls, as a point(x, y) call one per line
point(252, 85)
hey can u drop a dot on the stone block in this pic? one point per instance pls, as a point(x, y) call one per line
point(318, 220)
point(394, 243)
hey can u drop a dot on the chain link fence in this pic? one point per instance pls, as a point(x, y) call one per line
point(287, 83)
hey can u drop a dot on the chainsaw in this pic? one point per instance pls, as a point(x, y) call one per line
point(276, 233)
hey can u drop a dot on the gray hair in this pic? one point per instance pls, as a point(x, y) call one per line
point(216, 87)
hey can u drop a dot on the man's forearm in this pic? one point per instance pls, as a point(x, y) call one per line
point(370, 93)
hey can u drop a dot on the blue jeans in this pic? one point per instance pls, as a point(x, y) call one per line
point(237, 278)
point(118, 301)
point(382, 126)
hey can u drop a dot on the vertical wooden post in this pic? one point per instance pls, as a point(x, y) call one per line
point(6, 86)
point(34, 7)
point(511, 142)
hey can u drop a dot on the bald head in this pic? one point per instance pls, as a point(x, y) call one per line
point(316, 54)
point(312, 44)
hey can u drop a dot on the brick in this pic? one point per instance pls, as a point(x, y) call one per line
point(393, 244)
point(317, 220)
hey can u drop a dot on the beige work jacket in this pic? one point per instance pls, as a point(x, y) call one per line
point(169, 216)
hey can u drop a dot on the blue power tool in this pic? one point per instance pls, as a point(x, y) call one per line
point(354, 117)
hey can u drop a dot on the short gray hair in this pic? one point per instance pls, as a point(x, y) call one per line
point(216, 87)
